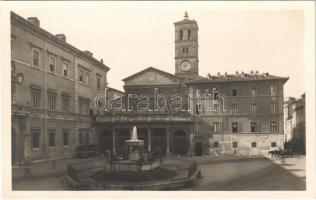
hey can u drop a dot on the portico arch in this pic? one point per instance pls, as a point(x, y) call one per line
point(106, 141)
point(179, 143)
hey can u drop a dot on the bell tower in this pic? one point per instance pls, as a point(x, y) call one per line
point(186, 47)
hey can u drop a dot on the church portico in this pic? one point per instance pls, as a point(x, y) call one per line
point(168, 138)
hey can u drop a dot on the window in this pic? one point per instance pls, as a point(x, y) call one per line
point(181, 34)
point(36, 57)
point(216, 108)
point(272, 90)
point(51, 139)
point(189, 34)
point(273, 144)
point(183, 50)
point(253, 91)
point(253, 108)
point(216, 126)
point(98, 82)
point(253, 127)
point(35, 134)
point(234, 92)
point(52, 63)
point(253, 144)
point(273, 127)
point(234, 109)
point(35, 97)
point(87, 138)
point(65, 68)
point(198, 109)
point(215, 94)
point(65, 102)
point(66, 136)
point(216, 145)
point(87, 79)
point(273, 108)
point(51, 100)
point(83, 137)
point(84, 106)
point(235, 145)
point(81, 76)
point(235, 127)
point(198, 128)
point(186, 50)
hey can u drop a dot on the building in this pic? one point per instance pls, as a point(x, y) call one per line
point(187, 114)
point(294, 120)
point(61, 99)
point(53, 87)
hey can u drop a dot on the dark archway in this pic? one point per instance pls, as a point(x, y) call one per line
point(159, 140)
point(179, 143)
point(121, 136)
point(143, 135)
point(13, 147)
point(105, 141)
point(198, 149)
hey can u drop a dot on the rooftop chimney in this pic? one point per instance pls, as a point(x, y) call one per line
point(237, 72)
point(101, 60)
point(209, 76)
point(242, 73)
point(61, 37)
point(218, 73)
point(251, 72)
point(88, 53)
point(34, 21)
point(225, 73)
point(257, 72)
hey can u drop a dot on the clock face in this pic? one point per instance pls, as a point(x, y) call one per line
point(185, 66)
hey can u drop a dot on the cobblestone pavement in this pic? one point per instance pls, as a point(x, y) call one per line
point(252, 174)
point(218, 173)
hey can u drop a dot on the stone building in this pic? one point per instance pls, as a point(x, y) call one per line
point(53, 88)
point(294, 120)
point(187, 114)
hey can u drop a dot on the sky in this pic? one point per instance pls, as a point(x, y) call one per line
point(133, 36)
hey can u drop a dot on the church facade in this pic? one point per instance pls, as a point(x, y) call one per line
point(187, 114)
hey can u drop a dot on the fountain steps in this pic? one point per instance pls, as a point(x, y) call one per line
point(128, 176)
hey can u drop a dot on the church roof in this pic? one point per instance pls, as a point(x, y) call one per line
point(237, 78)
point(150, 69)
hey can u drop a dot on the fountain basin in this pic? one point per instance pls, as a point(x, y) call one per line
point(133, 166)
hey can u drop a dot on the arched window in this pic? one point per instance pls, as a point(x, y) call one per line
point(181, 34)
point(189, 34)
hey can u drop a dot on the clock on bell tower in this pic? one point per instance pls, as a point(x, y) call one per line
point(186, 47)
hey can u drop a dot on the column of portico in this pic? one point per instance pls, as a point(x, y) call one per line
point(168, 141)
point(114, 140)
point(149, 139)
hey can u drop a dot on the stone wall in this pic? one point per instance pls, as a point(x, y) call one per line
point(244, 143)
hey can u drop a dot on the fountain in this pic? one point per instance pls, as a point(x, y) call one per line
point(134, 145)
point(137, 172)
point(136, 161)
